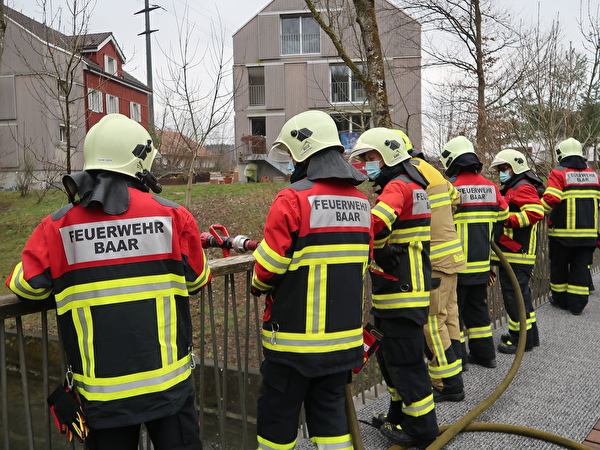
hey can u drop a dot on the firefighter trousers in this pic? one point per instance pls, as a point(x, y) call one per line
point(475, 315)
point(405, 373)
point(570, 275)
point(283, 391)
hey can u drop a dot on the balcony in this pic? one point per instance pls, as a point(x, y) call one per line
point(257, 95)
point(347, 92)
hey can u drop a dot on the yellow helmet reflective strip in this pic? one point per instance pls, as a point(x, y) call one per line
point(329, 254)
point(119, 291)
point(445, 370)
point(385, 213)
point(22, 288)
point(480, 332)
point(201, 280)
point(270, 259)
point(559, 287)
point(446, 248)
point(419, 408)
point(312, 343)
point(115, 388)
point(265, 444)
point(401, 300)
point(343, 442)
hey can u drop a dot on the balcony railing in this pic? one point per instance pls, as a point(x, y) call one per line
point(291, 44)
point(257, 95)
point(340, 92)
point(227, 323)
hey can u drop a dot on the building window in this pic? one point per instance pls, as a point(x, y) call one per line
point(256, 85)
point(112, 104)
point(110, 65)
point(135, 111)
point(62, 134)
point(258, 126)
point(345, 87)
point(300, 34)
point(352, 123)
point(94, 100)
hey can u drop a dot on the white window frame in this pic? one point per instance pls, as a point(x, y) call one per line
point(301, 36)
point(112, 104)
point(95, 101)
point(62, 134)
point(135, 111)
point(110, 65)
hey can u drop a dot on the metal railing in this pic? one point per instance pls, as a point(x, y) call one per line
point(227, 322)
point(257, 95)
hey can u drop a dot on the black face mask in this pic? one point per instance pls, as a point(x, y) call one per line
point(299, 171)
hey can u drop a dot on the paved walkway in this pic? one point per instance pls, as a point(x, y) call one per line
point(557, 388)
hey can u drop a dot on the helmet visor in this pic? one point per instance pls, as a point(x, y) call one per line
point(279, 152)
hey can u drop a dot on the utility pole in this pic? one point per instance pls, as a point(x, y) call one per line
point(148, 32)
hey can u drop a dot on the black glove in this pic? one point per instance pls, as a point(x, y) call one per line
point(389, 257)
point(255, 291)
point(67, 413)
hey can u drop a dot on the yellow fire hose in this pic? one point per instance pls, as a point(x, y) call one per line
point(465, 423)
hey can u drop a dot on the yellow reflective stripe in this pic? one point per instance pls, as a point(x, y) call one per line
point(265, 444)
point(119, 290)
point(22, 288)
point(82, 319)
point(437, 200)
point(446, 370)
point(316, 306)
point(201, 280)
point(167, 335)
point(417, 275)
point(578, 290)
point(436, 340)
point(522, 216)
point(343, 442)
point(115, 388)
point(478, 216)
point(419, 408)
point(480, 332)
point(559, 287)
point(394, 394)
point(445, 248)
point(270, 259)
point(385, 212)
point(259, 284)
point(329, 254)
point(514, 326)
point(554, 192)
point(312, 343)
point(517, 258)
point(581, 193)
point(573, 233)
point(401, 300)
point(407, 235)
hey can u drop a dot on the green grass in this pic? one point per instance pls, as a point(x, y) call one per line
point(241, 208)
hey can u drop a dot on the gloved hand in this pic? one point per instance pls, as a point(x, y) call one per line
point(255, 291)
point(389, 257)
point(67, 413)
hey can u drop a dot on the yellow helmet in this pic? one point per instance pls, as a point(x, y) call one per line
point(569, 147)
point(512, 157)
point(387, 142)
point(454, 148)
point(118, 144)
point(304, 135)
point(409, 145)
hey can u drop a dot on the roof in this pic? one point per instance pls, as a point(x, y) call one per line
point(174, 143)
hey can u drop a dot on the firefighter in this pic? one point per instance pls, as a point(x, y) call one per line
point(521, 189)
point(481, 209)
point(311, 264)
point(121, 264)
point(442, 330)
point(572, 197)
point(401, 280)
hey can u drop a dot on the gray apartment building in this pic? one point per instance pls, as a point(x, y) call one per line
point(283, 64)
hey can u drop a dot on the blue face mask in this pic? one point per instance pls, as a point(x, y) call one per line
point(373, 169)
point(291, 167)
point(504, 176)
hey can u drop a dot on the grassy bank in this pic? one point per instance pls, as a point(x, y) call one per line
point(241, 208)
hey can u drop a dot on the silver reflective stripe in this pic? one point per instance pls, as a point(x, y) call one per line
point(27, 289)
point(331, 254)
point(270, 260)
point(119, 290)
point(117, 388)
point(418, 410)
point(329, 342)
point(166, 312)
point(317, 296)
point(85, 347)
point(384, 212)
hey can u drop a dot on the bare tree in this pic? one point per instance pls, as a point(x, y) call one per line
point(56, 64)
point(2, 29)
point(374, 79)
point(193, 111)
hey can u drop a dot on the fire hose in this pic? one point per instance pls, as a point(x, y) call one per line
point(464, 424)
